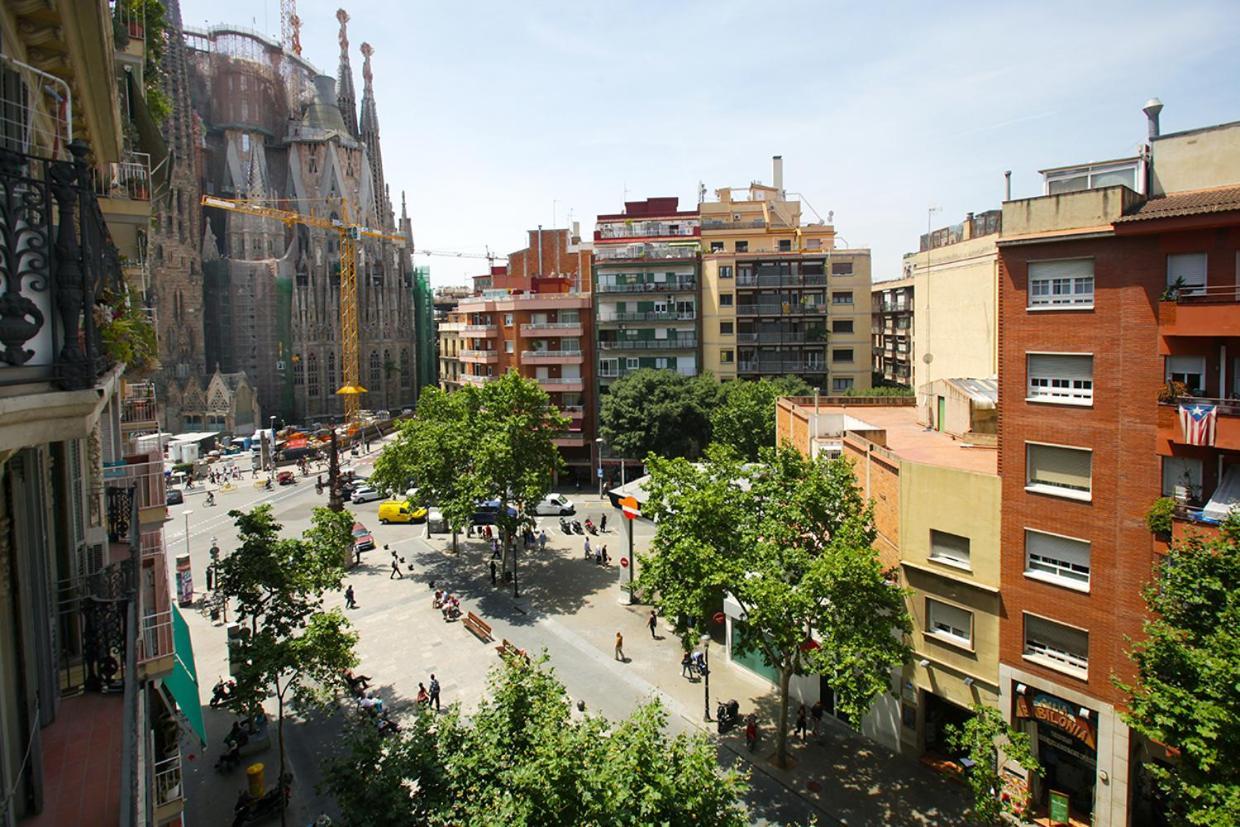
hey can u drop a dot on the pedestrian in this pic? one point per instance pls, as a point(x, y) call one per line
point(602, 523)
point(349, 602)
point(620, 647)
point(800, 728)
point(686, 666)
point(495, 549)
point(542, 540)
point(815, 712)
point(654, 619)
point(587, 548)
point(395, 570)
point(492, 572)
point(435, 691)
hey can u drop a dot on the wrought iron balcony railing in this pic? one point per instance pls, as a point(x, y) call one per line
point(57, 265)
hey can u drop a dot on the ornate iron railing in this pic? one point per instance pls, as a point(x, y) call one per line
point(57, 262)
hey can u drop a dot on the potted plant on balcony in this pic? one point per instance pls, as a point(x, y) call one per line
point(1158, 518)
point(126, 331)
point(1172, 392)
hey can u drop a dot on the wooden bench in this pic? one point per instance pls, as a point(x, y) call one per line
point(506, 649)
point(478, 626)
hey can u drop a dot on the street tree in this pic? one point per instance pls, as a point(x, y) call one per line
point(1187, 689)
point(435, 451)
point(525, 758)
point(744, 419)
point(658, 411)
point(292, 648)
point(982, 738)
point(790, 540)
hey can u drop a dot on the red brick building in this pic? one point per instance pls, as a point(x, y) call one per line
point(1085, 347)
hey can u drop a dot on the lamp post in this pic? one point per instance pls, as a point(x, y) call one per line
point(187, 512)
point(271, 444)
point(705, 641)
point(598, 464)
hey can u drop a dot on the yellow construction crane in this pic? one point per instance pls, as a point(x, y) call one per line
point(349, 234)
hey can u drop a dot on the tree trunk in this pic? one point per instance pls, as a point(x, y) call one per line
point(280, 737)
point(781, 733)
point(454, 548)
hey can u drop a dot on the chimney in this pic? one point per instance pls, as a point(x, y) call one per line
point(1152, 109)
point(540, 263)
point(1007, 185)
point(777, 163)
point(576, 232)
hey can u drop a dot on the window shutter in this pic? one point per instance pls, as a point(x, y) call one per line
point(1052, 465)
point(1061, 367)
point(1074, 552)
point(1074, 268)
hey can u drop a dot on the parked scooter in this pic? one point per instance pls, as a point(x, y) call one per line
point(726, 715)
point(249, 810)
point(223, 693)
point(590, 527)
point(577, 529)
point(565, 526)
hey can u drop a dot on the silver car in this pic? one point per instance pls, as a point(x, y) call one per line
point(365, 494)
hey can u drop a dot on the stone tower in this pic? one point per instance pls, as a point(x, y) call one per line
point(370, 137)
point(346, 98)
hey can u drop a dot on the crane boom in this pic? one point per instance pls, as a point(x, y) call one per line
point(350, 234)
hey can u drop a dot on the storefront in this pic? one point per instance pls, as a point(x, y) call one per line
point(1064, 736)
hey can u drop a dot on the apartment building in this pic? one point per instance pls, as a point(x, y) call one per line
point(777, 296)
point(448, 342)
point(891, 326)
point(955, 288)
point(92, 649)
point(936, 511)
point(647, 289)
point(1118, 321)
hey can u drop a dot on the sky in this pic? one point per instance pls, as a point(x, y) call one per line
point(496, 117)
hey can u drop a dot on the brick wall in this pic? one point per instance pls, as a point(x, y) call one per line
point(879, 478)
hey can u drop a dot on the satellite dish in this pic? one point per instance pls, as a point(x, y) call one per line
point(927, 358)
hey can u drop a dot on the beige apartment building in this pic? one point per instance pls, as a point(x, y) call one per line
point(777, 296)
point(955, 285)
point(891, 329)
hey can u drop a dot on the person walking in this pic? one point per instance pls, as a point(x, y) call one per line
point(620, 647)
point(588, 548)
point(686, 666)
point(492, 572)
point(800, 727)
point(815, 712)
point(542, 540)
point(435, 691)
point(395, 570)
point(349, 602)
point(652, 622)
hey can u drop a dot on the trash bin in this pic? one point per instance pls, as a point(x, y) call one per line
point(254, 775)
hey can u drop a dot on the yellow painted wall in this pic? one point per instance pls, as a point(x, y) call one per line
point(712, 314)
point(1197, 159)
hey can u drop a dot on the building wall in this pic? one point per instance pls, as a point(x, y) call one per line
point(1196, 159)
point(892, 330)
point(717, 346)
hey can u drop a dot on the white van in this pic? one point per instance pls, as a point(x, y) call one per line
point(555, 505)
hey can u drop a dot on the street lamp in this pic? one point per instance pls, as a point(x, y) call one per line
point(271, 447)
point(705, 641)
point(598, 464)
point(187, 512)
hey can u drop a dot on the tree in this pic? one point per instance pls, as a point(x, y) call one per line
point(744, 418)
point(981, 737)
point(1187, 689)
point(658, 411)
point(524, 758)
point(293, 648)
point(791, 541)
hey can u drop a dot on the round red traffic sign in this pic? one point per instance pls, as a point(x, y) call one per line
point(718, 617)
point(624, 561)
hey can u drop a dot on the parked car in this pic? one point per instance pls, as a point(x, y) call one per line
point(174, 497)
point(363, 540)
point(286, 478)
point(486, 511)
point(555, 505)
point(365, 493)
point(401, 511)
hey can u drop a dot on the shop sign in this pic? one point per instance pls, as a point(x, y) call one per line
point(1057, 713)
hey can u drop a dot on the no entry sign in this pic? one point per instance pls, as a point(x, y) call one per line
point(624, 561)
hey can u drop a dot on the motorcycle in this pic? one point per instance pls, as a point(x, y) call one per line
point(565, 526)
point(223, 693)
point(590, 527)
point(726, 715)
point(577, 529)
point(249, 810)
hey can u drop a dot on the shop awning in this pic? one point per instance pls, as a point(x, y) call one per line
point(183, 682)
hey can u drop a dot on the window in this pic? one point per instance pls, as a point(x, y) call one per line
point(841, 325)
point(727, 357)
point(567, 316)
point(1188, 270)
point(609, 367)
point(1057, 646)
point(716, 246)
point(841, 268)
point(725, 299)
point(785, 245)
point(660, 362)
point(841, 297)
point(842, 355)
point(299, 371)
point(1054, 469)
point(725, 270)
point(742, 246)
point(507, 320)
point(660, 332)
point(1056, 559)
point(840, 384)
point(375, 370)
point(508, 346)
point(725, 328)
point(949, 623)
point(1062, 283)
point(1189, 371)
point(632, 363)
point(1181, 477)
point(1061, 378)
point(313, 371)
point(951, 549)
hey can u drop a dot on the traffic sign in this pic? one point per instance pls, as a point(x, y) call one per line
point(718, 617)
point(600, 473)
point(624, 561)
point(630, 507)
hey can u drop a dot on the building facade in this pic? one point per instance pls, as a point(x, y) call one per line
point(647, 289)
point(777, 296)
point(891, 326)
point(1086, 351)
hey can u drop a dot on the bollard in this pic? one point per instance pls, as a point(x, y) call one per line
point(254, 775)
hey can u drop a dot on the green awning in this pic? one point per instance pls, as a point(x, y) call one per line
point(149, 137)
point(183, 682)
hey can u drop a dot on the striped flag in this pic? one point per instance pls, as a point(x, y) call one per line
point(1198, 422)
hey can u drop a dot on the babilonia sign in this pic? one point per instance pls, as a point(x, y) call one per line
point(1058, 713)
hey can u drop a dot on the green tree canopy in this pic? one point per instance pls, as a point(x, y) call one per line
point(980, 738)
point(525, 758)
point(658, 411)
point(1187, 691)
point(790, 541)
point(744, 419)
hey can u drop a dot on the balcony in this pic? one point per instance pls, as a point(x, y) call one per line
point(719, 224)
point(155, 649)
point(52, 333)
point(129, 180)
point(168, 793)
point(146, 480)
point(776, 338)
point(613, 230)
point(649, 316)
point(138, 407)
point(774, 280)
point(479, 357)
point(569, 440)
point(473, 379)
point(780, 366)
point(1226, 427)
point(551, 357)
point(552, 329)
point(644, 252)
point(479, 331)
point(561, 384)
point(668, 286)
point(573, 411)
point(780, 309)
point(671, 343)
point(1201, 311)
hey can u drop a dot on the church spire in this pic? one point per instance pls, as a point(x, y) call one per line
point(370, 135)
point(346, 99)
